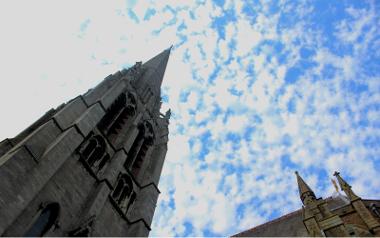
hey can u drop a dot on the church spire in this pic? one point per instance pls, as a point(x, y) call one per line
point(345, 187)
point(306, 194)
point(154, 70)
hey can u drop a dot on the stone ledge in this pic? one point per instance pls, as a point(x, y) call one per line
point(52, 159)
point(111, 95)
point(67, 115)
point(38, 142)
point(89, 119)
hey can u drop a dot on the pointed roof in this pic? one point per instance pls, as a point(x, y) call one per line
point(303, 188)
point(155, 70)
point(345, 187)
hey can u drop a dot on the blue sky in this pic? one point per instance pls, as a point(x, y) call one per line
point(257, 89)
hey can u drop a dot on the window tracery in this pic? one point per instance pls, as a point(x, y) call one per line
point(139, 148)
point(123, 193)
point(94, 153)
point(117, 114)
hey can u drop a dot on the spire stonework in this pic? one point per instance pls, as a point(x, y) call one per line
point(345, 187)
point(335, 216)
point(358, 205)
point(91, 166)
point(306, 194)
point(317, 217)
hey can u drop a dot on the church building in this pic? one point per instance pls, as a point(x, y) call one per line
point(336, 216)
point(91, 166)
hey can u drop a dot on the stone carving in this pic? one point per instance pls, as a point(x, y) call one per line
point(168, 113)
point(135, 71)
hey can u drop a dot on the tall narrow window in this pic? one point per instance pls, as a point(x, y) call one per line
point(44, 221)
point(135, 146)
point(140, 158)
point(94, 153)
point(117, 114)
point(123, 193)
point(141, 154)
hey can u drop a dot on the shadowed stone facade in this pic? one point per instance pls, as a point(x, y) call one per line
point(91, 166)
point(335, 216)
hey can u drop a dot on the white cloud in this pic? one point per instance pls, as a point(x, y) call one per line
point(56, 60)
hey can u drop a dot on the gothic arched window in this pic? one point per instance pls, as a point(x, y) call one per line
point(139, 148)
point(136, 145)
point(123, 193)
point(94, 153)
point(117, 114)
point(147, 142)
point(44, 220)
point(112, 113)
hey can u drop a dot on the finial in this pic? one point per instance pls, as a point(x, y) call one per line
point(296, 172)
point(168, 114)
point(170, 48)
point(345, 187)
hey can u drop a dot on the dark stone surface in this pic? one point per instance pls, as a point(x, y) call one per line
point(89, 119)
point(44, 164)
point(38, 141)
point(5, 146)
point(70, 112)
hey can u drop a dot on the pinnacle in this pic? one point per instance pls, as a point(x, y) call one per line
point(303, 188)
point(155, 70)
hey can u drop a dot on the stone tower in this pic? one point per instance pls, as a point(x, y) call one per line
point(91, 166)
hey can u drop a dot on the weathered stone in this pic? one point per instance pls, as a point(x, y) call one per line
point(41, 138)
point(133, 132)
point(51, 160)
point(90, 119)
point(42, 120)
point(138, 229)
point(124, 71)
point(138, 119)
point(96, 202)
point(70, 186)
point(14, 168)
point(117, 75)
point(71, 112)
point(111, 221)
point(5, 146)
point(65, 160)
point(113, 168)
point(96, 93)
point(145, 205)
point(156, 164)
point(110, 96)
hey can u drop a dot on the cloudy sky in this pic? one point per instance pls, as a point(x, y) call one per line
point(258, 89)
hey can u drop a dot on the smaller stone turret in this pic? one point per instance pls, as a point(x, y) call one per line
point(317, 217)
point(358, 205)
point(335, 216)
point(345, 187)
point(306, 194)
